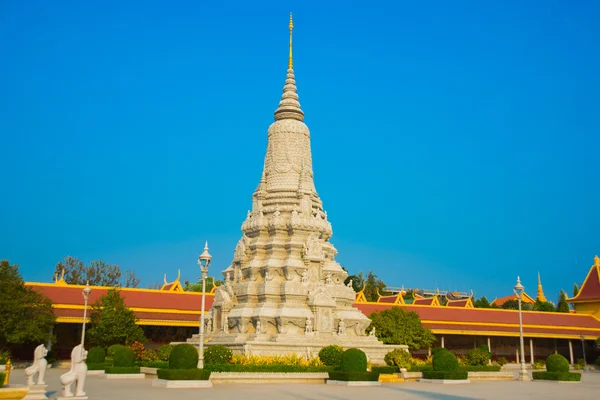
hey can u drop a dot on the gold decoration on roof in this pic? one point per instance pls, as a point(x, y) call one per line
point(597, 261)
point(291, 26)
point(540, 291)
point(61, 281)
point(174, 286)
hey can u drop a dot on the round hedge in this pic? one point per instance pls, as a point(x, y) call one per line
point(113, 348)
point(331, 355)
point(183, 356)
point(164, 352)
point(353, 360)
point(444, 361)
point(557, 363)
point(398, 357)
point(217, 355)
point(95, 355)
point(124, 357)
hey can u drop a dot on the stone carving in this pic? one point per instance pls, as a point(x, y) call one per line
point(38, 367)
point(268, 276)
point(312, 247)
point(372, 333)
point(341, 327)
point(258, 326)
point(328, 279)
point(304, 278)
point(226, 325)
point(240, 248)
point(309, 326)
point(76, 374)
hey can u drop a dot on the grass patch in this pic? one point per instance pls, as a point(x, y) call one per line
point(122, 370)
point(354, 376)
point(193, 374)
point(556, 376)
point(386, 369)
point(265, 368)
point(454, 375)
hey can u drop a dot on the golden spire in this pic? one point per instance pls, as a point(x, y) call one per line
point(291, 26)
point(540, 291)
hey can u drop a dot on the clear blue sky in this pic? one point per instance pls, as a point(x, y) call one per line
point(455, 144)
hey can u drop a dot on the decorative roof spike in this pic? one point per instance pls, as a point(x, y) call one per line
point(540, 291)
point(289, 107)
point(597, 261)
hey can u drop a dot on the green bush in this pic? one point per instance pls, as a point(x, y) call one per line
point(421, 368)
point(579, 363)
point(454, 375)
point(122, 370)
point(111, 349)
point(95, 355)
point(331, 355)
point(557, 363)
point(353, 360)
point(387, 369)
point(155, 364)
point(444, 361)
point(2, 375)
point(4, 356)
point(164, 352)
point(479, 356)
point(124, 357)
point(539, 364)
point(597, 362)
point(191, 374)
point(354, 376)
point(150, 355)
point(502, 361)
point(217, 355)
point(399, 358)
point(183, 356)
point(95, 366)
point(266, 368)
point(556, 376)
point(50, 357)
point(479, 368)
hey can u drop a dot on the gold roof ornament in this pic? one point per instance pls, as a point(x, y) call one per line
point(540, 291)
point(291, 26)
point(597, 261)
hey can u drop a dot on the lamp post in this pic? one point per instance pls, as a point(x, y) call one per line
point(585, 366)
point(204, 262)
point(86, 295)
point(523, 375)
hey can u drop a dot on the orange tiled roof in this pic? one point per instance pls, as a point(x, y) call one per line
point(501, 300)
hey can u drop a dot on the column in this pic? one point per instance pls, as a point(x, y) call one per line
point(531, 350)
point(443, 342)
point(571, 352)
point(490, 349)
point(429, 351)
point(518, 359)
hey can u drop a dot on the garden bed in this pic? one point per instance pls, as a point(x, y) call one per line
point(574, 377)
point(268, 377)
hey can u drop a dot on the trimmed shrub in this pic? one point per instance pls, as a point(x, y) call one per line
point(124, 357)
point(502, 361)
point(444, 361)
point(331, 355)
point(480, 368)
point(539, 364)
point(155, 364)
point(387, 369)
point(267, 368)
point(557, 363)
point(95, 355)
point(2, 375)
point(111, 349)
point(479, 356)
point(399, 358)
point(579, 363)
point(164, 352)
point(191, 374)
point(218, 355)
point(353, 360)
point(454, 375)
point(122, 370)
point(354, 376)
point(556, 376)
point(95, 366)
point(183, 356)
point(150, 355)
point(421, 368)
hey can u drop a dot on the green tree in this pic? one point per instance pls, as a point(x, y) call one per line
point(482, 303)
point(111, 322)
point(562, 305)
point(398, 326)
point(26, 315)
point(197, 287)
point(98, 273)
point(575, 289)
point(514, 305)
point(543, 306)
point(372, 285)
point(358, 281)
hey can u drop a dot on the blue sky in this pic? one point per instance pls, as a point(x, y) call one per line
point(455, 144)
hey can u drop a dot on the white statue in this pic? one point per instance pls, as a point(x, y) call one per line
point(304, 278)
point(258, 327)
point(342, 327)
point(349, 284)
point(76, 374)
point(372, 333)
point(226, 325)
point(38, 366)
point(328, 279)
point(309, 326)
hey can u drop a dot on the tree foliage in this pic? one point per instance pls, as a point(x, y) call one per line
point(98, 273)
point(398, 326)
point(514, 305)
point(562, 305)
point(543, 306)
point(197, 287)
point(482, 303)
point(111, 322)
point(25, 315)
point(575, 289)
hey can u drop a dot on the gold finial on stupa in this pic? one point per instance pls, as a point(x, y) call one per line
point(291, 26)
point(540, 291)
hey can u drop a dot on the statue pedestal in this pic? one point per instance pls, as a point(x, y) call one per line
point(36, 392)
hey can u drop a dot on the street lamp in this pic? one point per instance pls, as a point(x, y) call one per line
point(204, 262)
point(86, 295)
point(585, 367)
point(523, 375)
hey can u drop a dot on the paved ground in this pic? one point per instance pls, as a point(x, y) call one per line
point(101, 389)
